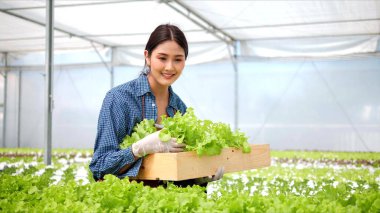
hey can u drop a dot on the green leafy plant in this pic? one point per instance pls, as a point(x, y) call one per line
point(142, 129)
point(203, 136)
point(295, 182)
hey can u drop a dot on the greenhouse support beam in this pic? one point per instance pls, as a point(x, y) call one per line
point(19, 108)
point(45, 25)
point(112, 70)
point(233, 57)
point(5, 75)
point(199, 20)
point(109, 69)
point(302, 24)
point(49, 63)
point(68, 5)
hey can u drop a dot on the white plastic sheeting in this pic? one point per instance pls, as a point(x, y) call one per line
point(285, 103)
point(308, 70)
point(316, 47)
point(82, 24)
point(198, 53)
point(62, 57)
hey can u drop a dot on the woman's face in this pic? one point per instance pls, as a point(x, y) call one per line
point(166, 63)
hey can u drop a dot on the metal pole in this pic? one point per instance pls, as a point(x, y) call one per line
point(233, 57)
point(48, 79)
point(199, 20)
point(5, 99)
point(112, 69)
point(109, 69)
point(236, 77)
point(19, 107)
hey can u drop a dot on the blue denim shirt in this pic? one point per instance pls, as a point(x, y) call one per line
point(120, 112)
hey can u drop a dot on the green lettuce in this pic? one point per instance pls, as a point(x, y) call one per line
point(203, 136)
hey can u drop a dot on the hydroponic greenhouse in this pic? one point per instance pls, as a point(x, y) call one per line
point(189, 106)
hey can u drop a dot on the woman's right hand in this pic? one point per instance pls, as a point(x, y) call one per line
point(152, 144)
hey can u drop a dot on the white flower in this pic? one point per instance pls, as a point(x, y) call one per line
point(39, 172)
point(58, 172)
point(3, 165)
point(252, 190)
point(378, 179)
point(62, 161)
point(20, 171)
point(295, 191)
point(300, 166)
point(264, 193)
point(311, 184)
point(366, 186)
point(235, 176)
point(211, 189)
point(50, 166)
point(244, 179)
point(354, 184)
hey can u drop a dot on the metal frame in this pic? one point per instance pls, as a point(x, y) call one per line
point(74, 5)
point(199, 20)
point(234, 57)
point(110, 69)
point(5, 75)
point(55, 28)
point(49, 60)
point(19, 108)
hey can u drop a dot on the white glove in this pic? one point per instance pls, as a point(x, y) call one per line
point(152, 144)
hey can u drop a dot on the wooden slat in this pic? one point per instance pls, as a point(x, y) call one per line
point(187, 165)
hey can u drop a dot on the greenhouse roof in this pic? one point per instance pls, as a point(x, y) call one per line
point(262, 28)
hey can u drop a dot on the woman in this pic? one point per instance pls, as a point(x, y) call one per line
point(149, 96)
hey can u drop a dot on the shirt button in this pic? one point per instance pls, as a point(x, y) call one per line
point(153, 105)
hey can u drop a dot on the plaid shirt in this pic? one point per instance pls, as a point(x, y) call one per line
point(120, 112)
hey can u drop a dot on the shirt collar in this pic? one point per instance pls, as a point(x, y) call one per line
point(172, 99)
point(142, 85)
point(143, 88)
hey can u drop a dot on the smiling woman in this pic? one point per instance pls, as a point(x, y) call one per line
point(165, 63)
point(150, 96)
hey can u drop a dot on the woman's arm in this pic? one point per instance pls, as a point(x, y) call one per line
point(126, 167)
point(112, 127)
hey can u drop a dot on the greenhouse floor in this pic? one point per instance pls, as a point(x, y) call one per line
point(295, 182)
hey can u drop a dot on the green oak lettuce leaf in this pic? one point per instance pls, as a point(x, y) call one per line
point(164, 135)
point(203, 136)
point(141, 130)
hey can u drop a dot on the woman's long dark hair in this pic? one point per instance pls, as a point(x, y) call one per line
point(162, 33)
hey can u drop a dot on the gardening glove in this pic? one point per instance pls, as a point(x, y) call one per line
point(152, 144)
point(218, 175)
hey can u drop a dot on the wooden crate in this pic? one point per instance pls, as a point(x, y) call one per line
point(187, 165)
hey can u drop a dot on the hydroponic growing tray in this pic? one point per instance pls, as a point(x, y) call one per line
point(188, 165)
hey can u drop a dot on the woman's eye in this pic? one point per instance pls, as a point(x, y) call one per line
point(163, 59)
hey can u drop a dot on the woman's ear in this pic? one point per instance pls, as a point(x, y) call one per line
point(147, 59)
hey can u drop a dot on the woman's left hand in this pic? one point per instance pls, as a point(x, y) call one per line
point(218, 175)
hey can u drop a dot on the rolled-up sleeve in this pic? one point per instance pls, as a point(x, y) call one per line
point(112, 127)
